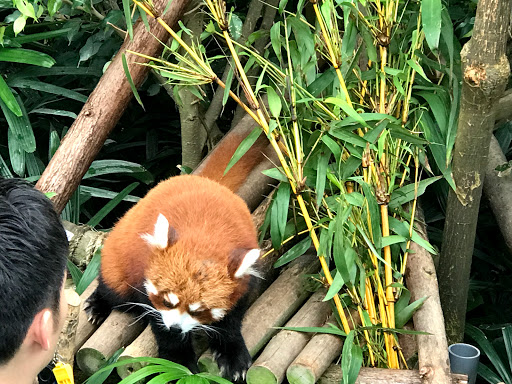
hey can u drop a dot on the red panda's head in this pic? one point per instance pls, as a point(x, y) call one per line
point(190, 289)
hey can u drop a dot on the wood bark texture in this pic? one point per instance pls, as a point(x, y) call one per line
point(118, 330)
point(316, 357)
point(334, 375)
point(485, 73)
point(66, 343)
point(104, 107)
point(498, 189)
point(85, 327)
point(421, 281)
point(84, 243)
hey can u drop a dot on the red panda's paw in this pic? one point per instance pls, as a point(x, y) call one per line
point(234, 364)
point(96, 308)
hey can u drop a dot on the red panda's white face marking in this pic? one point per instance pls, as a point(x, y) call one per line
point(218, 313)
point(173, 299)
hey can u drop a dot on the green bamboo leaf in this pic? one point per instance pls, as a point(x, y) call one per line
point(405, 314)
point(398, 132)
point(373, 213)
point(392, 239)
point(275, 173)
point(128, 19)
point(337, 284)
point(486, 346)
point(344, 255)
point(348, 137)
point(321, 173)
point(165, 378)
point(130, 81)
point(227, 88)
point(54, 112)
point(145, 372)
point(296, 251)
point(26, 56)
point(8, 98)
point(406, 193)
point(96, 219)
point(16, 154)
point(402, 228)
point(414, 65)
point(275, 40)
point(105, 194)
point(355, 198)
point(274, 102)
point(244, 146)
point(279, 214)
point(20, 126)
point(349, 110)
point(351, 359)
point(4, 169)
point(403, 300)
point(431, 20)
point(214, 378)
point(328, 330)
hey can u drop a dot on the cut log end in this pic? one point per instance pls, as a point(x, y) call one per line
point(300, 374)
point(90, 360)
point(260, 375)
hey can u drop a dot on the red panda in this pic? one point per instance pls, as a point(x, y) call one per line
point(185, 255)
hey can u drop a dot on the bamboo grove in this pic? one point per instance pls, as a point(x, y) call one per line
point(341, 96)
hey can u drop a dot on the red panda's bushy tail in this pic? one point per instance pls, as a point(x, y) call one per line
point(215, 164)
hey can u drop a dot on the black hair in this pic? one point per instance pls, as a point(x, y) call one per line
point(33, 252)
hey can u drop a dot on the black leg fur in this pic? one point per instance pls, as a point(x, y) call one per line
point(228, 345)
point(174, 345)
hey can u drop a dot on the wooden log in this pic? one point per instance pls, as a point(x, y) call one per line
point(315, 358)
point(105, 106)
point(333, 375)
point(66, 343)
point(274, 307)
point(271, 365)
point(421, 280)
point(85, 328)
point(117, 331)
point(143, 345)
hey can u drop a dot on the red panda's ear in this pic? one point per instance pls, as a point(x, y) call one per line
point(241, 262)
point(163, 234)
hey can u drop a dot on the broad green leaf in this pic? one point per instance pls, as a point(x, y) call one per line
point(488, 375)
point(337, 284)
point(20, 127)
point(402, 228)
point(351, 359)
point(355, 198)
point(275, 39)
point(404, 315)
point(321, 174)
point(19, 24)
point(96, 219)
point(235, 26)
point(398, 132)
point(214, 378)
point(143, 373)
point(90, 273)
point(8, 98)
point(106, 167)
point(431, 20)
point(49, 88)
point(26, 56)
point(279, 214)
point(76, 274)
point(348, 137)
point(104, 375)
point(403, 300)
point(414, 65)
point(16, 154)
point(4, 169)
point(105, 194)
point(392, 239)
point(406, 193)
point(130, 81)
point(244, 146)
point(507, 339)
point(486, 346)
point(296, 251)
point(344, 255)
point(54, 6)
point(274, 102)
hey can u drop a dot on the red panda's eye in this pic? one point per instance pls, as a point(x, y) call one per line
point(168, 304)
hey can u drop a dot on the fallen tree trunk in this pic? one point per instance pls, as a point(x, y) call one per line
point(271, 365)
point(85, 328)
point(334, 375)
point(104, 107)
point(498, 189)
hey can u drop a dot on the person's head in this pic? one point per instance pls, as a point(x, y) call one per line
point(33, 251)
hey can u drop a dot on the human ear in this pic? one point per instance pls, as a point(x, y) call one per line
point(41, 330)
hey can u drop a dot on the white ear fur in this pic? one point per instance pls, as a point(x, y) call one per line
point(150, 288)
point(69, 235)
point(160, 237)
point(249, 259)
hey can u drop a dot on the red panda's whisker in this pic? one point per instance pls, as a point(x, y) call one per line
point(138, 290)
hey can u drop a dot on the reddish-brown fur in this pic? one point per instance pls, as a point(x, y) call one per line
point(211, 223)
